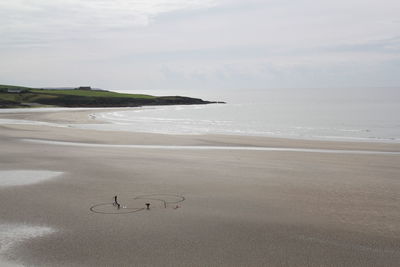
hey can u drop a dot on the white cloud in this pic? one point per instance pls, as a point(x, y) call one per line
point(25, 22)
point(83, 11)
point(197, 43)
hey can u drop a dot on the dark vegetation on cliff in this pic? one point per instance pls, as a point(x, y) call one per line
point(17, 96)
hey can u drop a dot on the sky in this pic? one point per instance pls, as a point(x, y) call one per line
point(200, 45)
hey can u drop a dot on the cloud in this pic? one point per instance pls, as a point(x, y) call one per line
point(199, 43)
point(31, 22)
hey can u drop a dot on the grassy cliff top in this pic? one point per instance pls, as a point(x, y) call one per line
point(19, 96)
point(89, 93)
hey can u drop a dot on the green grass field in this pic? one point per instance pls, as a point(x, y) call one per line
point(89, 93)
point(3, 86)
point(84, 98)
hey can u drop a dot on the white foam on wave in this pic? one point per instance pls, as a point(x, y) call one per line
point(11, 235)
point(254, 120)
point(26, 177)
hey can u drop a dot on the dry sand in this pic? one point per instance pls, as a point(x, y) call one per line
point(240, 208)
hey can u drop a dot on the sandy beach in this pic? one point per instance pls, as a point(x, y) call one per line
point(208, 207)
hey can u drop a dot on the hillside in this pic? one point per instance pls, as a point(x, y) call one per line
point(18, 96)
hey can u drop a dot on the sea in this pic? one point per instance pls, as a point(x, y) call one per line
point(348, 114)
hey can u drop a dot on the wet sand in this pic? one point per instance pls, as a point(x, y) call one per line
point(240, 208)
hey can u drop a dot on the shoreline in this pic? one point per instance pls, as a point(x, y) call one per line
point(243, 206)
point(72, 117)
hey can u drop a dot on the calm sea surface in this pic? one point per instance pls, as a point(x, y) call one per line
point(362, 114)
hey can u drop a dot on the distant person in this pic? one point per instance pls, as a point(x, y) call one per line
point(116, 202)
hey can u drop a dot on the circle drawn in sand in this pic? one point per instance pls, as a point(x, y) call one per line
point(131, 205)
point(109, 208)
point(164, 198)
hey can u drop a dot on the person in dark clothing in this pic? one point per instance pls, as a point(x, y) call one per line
point(116, 202)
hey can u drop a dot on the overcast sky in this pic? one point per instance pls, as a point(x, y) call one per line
point(200, 44)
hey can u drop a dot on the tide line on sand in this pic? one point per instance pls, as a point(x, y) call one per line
point(248, 148)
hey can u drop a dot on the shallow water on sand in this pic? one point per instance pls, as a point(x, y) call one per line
point(13, 234)
point(248, 148)
point(26, 177)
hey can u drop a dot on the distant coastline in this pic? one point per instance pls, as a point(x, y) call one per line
point(19, 97)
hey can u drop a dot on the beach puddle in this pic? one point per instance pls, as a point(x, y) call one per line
point(26, 177)
point(11, 235)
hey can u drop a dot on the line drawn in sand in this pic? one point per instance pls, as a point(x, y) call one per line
point(139, 203)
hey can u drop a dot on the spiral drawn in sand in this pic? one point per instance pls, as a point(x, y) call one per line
point(139, 203)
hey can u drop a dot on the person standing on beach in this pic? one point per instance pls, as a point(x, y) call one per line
point(116, 202)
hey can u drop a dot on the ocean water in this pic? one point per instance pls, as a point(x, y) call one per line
point(353, 114)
